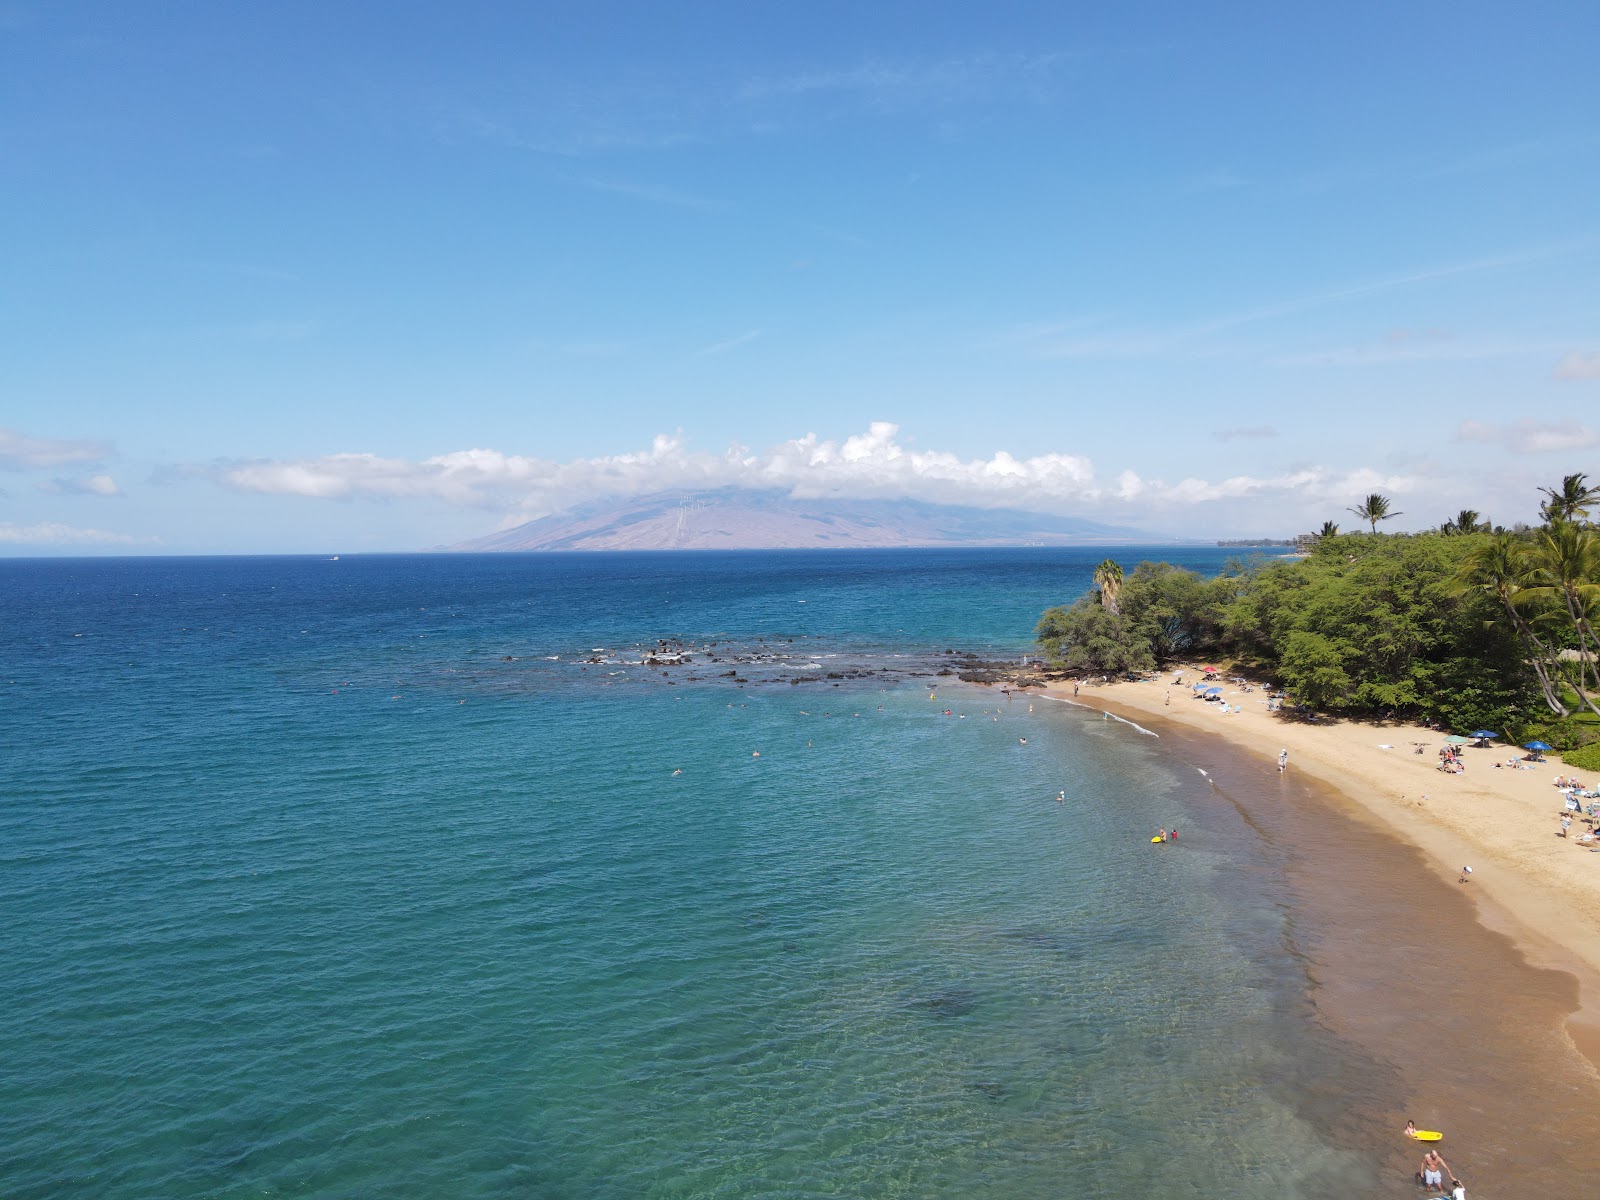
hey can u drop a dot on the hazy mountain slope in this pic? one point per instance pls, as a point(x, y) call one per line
point(736, 519)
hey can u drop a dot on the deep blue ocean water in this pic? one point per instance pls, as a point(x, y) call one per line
point(403, 875)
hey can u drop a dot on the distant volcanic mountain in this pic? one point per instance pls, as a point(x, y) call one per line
point(741, 519)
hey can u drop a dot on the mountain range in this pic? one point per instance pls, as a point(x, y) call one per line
point(746, 519)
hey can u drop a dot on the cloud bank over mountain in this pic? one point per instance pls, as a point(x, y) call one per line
point(870, 465)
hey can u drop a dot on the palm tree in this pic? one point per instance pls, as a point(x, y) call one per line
point(1570, 501)
point(1328, 530)
point(1503, 568)
point(1108, 578)
point(1564, 561)
point(1465, 521)
point(1373, 509)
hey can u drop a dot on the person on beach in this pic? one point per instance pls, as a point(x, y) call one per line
point(1411, 1129)
point(1433, 1169)
point(1458, 1190)
point(1168, 700)
point(1283, 761)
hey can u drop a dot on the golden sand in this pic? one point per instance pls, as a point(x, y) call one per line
point(1540, 889)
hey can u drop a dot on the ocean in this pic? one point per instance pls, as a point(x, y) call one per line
point(448, 876)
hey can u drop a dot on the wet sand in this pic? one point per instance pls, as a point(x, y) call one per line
point(1456, 1027)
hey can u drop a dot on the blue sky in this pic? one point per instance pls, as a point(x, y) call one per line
point(309, 277)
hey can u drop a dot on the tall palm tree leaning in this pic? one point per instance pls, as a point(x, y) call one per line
point(1565, 574)
point(1570, 501)
point(1503, 567)
point(1373, 509)
point(1108, 578)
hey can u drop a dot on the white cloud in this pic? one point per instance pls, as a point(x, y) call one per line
point(1579, 366)
point(1529, 436)
point(866, 465)
point(50, 533)
point(94, 485)
point(19, 452)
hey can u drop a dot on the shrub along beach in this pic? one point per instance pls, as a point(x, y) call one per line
point(1468, 627)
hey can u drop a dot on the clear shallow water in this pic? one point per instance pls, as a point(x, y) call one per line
point(284, 916)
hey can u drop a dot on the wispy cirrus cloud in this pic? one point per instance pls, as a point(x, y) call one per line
point(572, 117)
point(1193, 337)
point(647, 192)
point(1530, 436)
point(865, 465)
point(20, 452)
point(1408, 345)
point(903, 80)
point(1579, 366)
point(733, 343)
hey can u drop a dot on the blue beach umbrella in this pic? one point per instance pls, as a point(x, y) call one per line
point(1537, 746)
point(1483, 733)
point(1212, 690)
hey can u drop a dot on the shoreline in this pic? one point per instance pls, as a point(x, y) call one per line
point(1538, 890)
point(1469, 1020)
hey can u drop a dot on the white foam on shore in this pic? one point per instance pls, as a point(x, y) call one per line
point(1113, 716)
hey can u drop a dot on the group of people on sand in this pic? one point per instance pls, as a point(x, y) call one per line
point(1434, 1170)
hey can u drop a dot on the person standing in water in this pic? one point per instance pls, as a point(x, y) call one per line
point(1283, 761)
point(1433, 1169)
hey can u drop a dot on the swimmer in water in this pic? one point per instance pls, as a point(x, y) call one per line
point(1061, 797)
point(677, 770)
point(1163, 834)
point(1411, 1129)
point(1023, 741)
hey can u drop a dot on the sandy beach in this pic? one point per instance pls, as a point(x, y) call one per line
point(1540, 889)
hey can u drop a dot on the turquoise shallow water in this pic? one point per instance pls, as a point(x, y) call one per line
point(346, 879)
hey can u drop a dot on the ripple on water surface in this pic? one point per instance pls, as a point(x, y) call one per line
point(278, 940)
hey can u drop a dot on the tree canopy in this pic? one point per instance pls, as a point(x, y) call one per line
point(1470, 625)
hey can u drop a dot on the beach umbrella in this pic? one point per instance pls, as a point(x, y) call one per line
point(1483, 733)
point(1537, 746)
point(1209, 670)
point(1212, 690)
point(1455, 739)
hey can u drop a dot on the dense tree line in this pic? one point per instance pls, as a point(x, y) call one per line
point(1469, 625)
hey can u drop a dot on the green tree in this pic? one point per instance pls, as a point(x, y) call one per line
point(1373, 509)
point(1564, 576)
point(1090, 637)
point(1108, 578)
point(1328, 530)
point(1465, 521)
point(1502, 568)
point(1570, 500)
